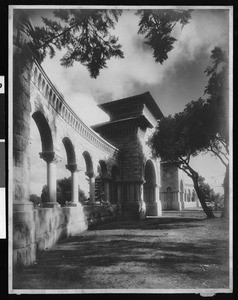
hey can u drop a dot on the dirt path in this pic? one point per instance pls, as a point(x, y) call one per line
point(156, 253)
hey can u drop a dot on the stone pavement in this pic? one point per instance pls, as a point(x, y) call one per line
point(156, 253)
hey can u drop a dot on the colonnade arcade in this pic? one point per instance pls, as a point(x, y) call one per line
point(108, 179)
point(150, 192)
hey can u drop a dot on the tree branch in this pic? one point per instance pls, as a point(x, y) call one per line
point(225, 145)
point(218, 155)
point(56, 36)
point(220, 152)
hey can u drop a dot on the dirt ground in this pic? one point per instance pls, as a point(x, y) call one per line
point(156, 253)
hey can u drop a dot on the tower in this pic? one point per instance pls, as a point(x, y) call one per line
point(132, 121)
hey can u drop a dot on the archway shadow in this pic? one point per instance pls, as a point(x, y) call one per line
point(148, 224)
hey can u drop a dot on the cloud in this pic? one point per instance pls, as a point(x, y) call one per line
point(180, 79)
point(206, 29)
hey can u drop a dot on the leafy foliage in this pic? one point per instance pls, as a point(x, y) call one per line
point(177, 139)
point(202, 126)
point(157, 26)
point(218, 103)
point(35, 200)
point(63, 192)
point(86, 36)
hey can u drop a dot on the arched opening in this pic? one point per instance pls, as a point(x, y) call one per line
point(102, 183)
point(50, 96)
point(60, 107)
point(89, 175)
point(47, 92)
point(45, 132)
point(189, 195)
point(193, 196)
point(150, 189)
point(43, 86)
point(67, 186)
point(88, 162)
point(38, 170)
point(39, 82)
point(182, 196)
point(57, 105)
point(49, 193)
point(54, 101)
point(71, 158)
point(35, 76)
point(102, 168)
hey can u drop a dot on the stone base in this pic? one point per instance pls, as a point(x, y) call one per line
point(73, 204)
point(41, 228)
point(134, 210)
point(51, 204)
point(176, 205)
point(22, 206)
point(151, 209)
point(24, 256)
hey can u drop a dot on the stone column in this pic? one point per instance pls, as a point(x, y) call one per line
point(91, 177)
point(140, 191)
point(182, 200)
point(119, 191)
point(106, 190)
point(152, 199)
point(176, 204)
point(134, 206)
point(158, 200)
point(51, 159)
point(74, 184)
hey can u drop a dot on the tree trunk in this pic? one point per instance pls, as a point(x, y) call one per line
point(202, 199)
point(225, 213)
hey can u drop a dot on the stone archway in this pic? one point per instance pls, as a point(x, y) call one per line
point(182, 195)
point(102, 182)
point(45, 132)
point(150, 189)
point(73, 168)
point(48, 155)
point(90, 175)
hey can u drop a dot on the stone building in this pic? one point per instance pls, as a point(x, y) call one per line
point(175, 192)
point(116, 155)
point(132, 121)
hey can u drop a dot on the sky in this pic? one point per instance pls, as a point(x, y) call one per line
point(178, 81)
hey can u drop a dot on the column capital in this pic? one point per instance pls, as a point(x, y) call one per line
point(50, 156)
point(90, 174)
point(106, 177)
point(72, 168)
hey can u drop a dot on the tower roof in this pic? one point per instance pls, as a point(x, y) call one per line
point(128, 107)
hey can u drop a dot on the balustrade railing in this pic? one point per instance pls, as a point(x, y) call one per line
point(42, 82)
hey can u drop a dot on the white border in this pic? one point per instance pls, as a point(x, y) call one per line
point(203, 292)
point(10, 149)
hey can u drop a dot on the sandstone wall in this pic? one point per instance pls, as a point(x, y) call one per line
point(36, 229)
point(41, 228)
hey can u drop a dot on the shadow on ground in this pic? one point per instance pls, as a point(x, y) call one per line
point(135, 254)
point(150, 223)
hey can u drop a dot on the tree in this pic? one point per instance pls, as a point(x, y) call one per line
point(63, 192)
point(217, 93)
point(157, 26)
point(44, 194)
point(203, 126)
point(174, 141)
point(85, 34)
point(35, 199)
